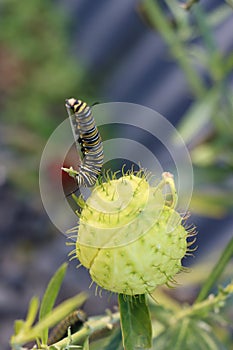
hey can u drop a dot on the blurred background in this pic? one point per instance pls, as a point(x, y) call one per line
point(159, 54)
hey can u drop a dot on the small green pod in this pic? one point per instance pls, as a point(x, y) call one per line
point(129, 238)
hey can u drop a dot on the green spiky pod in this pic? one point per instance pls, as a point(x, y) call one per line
point(130, 238)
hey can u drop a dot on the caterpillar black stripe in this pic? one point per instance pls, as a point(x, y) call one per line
point(89, 140)
point(74, 320)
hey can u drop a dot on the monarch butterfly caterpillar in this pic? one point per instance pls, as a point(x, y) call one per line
point(89, 139)
point(76, 318)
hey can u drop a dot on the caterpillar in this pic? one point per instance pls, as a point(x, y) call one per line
point(89, 139)
point(76, 318)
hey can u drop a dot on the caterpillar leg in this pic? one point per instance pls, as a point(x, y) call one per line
point(70, 171)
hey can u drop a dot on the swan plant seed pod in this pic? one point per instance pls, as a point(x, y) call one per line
point(130, 238)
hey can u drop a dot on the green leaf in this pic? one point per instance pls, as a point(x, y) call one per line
point(115, 342)
point(218, 16)
point(18, 326)
point(56, 315)
point(198, 116)
point(177, 338)
point(230, 3)
point(23, 327)
point(161, 312)
point(203, 334)
point(216, 272)
point(135, 322)
point(86, 344)
point(208, 38)
point(188, 335)
point(213, 204)
point(157, 18)
point(50, 297)
point(32, 311)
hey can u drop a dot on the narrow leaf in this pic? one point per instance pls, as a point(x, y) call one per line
point(181, 335)
point(218, 16)
point(155, 15)
point(135, 322)
point(56, 315)
point(86, 344)
point(230, 3)
point(206, 337)
point(210, 204)
point(188, 335)
point(204, 30)
point(18, 326)
point(166, 339)
point(216, 272)
point(50, 297)
point(115, 342)
point(32, 311)
point(198, 116)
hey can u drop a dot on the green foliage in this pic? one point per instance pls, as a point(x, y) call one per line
point(24, 326)
point(135, 322)
point(50, 297)
point(168, 323)
point(33, 39)
point(207, 127)
point(193, 327)
point(115, 341)
point(37, 83)
point(188, 335)
point(86, 344)
point(25, 331)
point(217, 271)
point(38, 71)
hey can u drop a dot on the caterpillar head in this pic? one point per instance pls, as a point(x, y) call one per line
point(76, 106)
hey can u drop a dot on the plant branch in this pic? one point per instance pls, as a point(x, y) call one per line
point(156, 16)
point(204, 306)
point(187, 5)
point(216, 272)
point(93, 328)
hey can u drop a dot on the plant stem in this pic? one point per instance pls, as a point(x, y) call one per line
point(216, 272)
point(214, 56)
point(179, 52)
point(211, 302)
point(187, 6)
point(94, 328)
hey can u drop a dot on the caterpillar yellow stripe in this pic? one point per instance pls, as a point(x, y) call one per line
point(89, 140)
